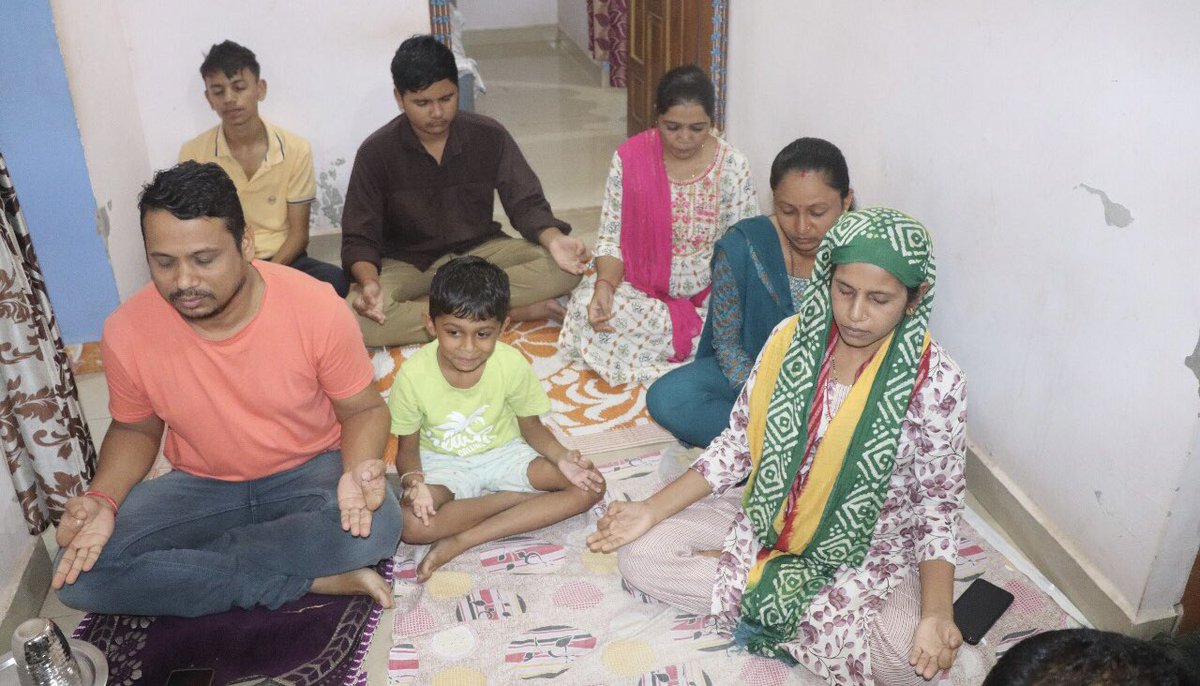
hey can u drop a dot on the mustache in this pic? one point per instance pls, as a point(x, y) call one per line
point(189, 293)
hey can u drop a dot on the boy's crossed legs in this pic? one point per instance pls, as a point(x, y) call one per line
point(464, 520)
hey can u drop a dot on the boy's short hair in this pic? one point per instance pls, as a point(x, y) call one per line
point(228, 58)
point(420, 62)
point(190, 190)
point(471, 288)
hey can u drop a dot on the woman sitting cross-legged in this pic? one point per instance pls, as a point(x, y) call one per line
point(672, 191)
point(840, 552)
point(760, 270)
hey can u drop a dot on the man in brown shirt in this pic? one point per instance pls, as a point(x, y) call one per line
point(421, 192)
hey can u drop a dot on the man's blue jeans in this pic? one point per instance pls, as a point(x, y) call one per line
point(189, 546)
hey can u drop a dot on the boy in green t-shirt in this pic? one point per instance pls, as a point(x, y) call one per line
point(476, 462)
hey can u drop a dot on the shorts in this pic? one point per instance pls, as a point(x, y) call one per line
point(500, 469)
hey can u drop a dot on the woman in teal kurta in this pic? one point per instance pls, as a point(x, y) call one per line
point(760, 269)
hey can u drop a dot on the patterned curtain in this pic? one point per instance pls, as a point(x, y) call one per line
point(608, 36)
point(47, 445)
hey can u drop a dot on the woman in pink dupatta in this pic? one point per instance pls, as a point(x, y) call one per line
point(672, 192)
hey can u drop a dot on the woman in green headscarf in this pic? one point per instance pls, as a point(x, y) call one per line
point(840, 552)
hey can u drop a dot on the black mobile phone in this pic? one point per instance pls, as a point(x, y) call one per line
point(190, 677)
point(978, 608)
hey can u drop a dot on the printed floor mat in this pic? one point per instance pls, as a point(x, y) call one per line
point(541, 607)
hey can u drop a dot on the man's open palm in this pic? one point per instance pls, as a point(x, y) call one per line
point(360, 492)
point(86, 526)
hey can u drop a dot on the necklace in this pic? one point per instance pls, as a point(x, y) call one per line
point(700, 154)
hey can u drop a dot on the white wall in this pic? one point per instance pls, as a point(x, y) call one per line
point(92, 39)
point(133, 67)
point(573, 22)
point(982, 119)
point(507, 14)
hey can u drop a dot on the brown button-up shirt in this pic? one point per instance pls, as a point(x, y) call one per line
point(403, 205)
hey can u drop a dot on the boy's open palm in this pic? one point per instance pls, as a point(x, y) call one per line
point(360, 492)
point(581, 472)
point(86, 526)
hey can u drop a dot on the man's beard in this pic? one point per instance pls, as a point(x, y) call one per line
point(216, 310)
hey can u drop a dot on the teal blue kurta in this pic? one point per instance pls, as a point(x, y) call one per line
point(750, 296)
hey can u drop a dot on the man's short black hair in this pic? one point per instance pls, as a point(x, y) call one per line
point(420, 62)
point(190, 190)
point(228, 58)
point(470, 288)
point(1085, 656)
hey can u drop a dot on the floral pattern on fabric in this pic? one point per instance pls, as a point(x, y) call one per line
point(608, 36)
point(701, 211)
point(47, 445)
point(918, 522)
point(725, 304)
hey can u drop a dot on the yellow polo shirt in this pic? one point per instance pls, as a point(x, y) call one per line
point(284, 178)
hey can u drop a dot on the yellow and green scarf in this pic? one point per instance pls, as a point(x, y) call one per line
point(831, 521)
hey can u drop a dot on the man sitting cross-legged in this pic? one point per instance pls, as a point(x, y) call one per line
point(421, 192)
point(477, 464)
point(274, 430)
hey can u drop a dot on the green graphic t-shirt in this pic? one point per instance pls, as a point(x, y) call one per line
point(465, 421)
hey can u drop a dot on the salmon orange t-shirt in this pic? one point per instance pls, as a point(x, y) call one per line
point(254, 404)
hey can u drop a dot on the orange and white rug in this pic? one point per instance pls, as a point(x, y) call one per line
point(586, 412)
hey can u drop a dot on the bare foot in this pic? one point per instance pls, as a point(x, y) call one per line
point(439, 554)
point(549, 308)
point(363, 581)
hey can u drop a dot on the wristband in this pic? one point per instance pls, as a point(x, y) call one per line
point(108, 500)
point(610, 283)
point(406, 474)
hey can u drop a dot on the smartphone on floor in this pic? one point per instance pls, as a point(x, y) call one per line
point(978, 608)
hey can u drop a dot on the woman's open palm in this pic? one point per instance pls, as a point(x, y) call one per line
point(623, 523)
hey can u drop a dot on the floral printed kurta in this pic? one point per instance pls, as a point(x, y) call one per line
point(701, 211)
point(918, 522)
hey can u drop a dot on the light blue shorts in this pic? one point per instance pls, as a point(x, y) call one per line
point(500, 469)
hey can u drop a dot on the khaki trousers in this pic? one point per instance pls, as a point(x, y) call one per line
point(533, 276)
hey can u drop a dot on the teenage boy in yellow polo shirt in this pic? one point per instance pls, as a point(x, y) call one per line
point(271, 168)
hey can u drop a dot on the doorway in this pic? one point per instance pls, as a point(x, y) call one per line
point(571, 79)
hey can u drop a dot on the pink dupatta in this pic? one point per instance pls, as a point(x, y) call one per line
point(646, 231)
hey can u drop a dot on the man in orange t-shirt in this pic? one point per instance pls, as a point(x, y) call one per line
point(259, 376)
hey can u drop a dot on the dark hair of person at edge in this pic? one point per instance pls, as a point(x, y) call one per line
point(190, 190)
point(1071, 657)
point(420, 62)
